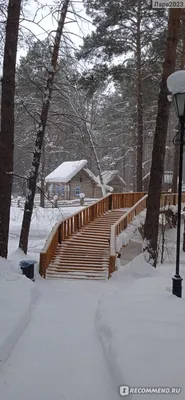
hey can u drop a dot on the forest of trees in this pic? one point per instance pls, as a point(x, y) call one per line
point(93, 83)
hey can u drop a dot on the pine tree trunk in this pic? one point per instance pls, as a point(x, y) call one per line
point(42, 181)
point(177, 148)
point(158, 154)
point(28, 209)
point(139, 103)
point(7, 121)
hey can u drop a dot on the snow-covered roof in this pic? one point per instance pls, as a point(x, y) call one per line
point(66, 171)
point(108, 176)
point(96, 181)
point(91, 175)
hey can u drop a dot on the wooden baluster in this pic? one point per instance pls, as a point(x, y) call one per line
point(84, 217)
point(80, 219)
point(123, 200)
point(60, 234)
point(65, 234)
point(68, 228)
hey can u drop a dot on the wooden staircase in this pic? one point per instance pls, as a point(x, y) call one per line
point(83, 246)
point(85, 254)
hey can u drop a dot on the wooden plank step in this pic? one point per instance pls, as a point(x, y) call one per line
point(92, 237)
point(85, 256)
point(79, 256)
point(59, 268)
point(65, 248)
point(89, 241)
point(79, 274)
point(79, 263)
point(64, 276)
point(94, 226)
point(98, 230)
point(82, 260)
point(87, 245)
point(103, 238)
point(83, 253)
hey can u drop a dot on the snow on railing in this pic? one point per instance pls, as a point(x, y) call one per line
point(167, 200)
point(122, 224)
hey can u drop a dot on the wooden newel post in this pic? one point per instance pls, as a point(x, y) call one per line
point(59, 235)
point(110, 202)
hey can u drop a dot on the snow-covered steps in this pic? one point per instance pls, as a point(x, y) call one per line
point(85, 254)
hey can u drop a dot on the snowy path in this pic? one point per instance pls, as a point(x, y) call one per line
point(59, 355)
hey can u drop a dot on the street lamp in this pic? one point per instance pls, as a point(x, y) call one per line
point(176, 85)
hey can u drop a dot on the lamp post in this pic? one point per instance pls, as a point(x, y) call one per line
point(176, 85)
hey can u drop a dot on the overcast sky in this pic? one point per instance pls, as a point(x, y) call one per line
point(40, 22)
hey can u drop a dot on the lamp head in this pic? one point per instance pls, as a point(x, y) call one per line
point(176, 85)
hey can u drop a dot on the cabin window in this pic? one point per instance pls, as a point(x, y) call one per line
point(81, 179)
point(77, 191)
point(62, 190)
point(57, 190)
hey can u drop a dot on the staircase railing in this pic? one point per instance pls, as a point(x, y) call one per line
point(167, 199)
point(65, 228)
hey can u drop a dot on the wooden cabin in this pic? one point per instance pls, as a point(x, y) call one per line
point(70, 179)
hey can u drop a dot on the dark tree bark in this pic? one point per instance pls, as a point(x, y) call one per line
point(42, 181)
point(28, 209)
point(176, 149)
point(139, 102)
point(158, 154)
point(7, 121)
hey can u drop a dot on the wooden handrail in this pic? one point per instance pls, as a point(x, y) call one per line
point(167, 199)
point(122, 224)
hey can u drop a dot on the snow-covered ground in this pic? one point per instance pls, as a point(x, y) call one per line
point(42, 222)
point(86, 339)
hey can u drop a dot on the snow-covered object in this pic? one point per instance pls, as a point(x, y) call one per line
point(55, 197)
point(108, 176)
point(66, 171)
point(124, 237)
point(176, 82)
point(146, 176)
point(169, 97)
point(106, 187)
point(91, 175)
point(168, 176)
point(82, 195)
